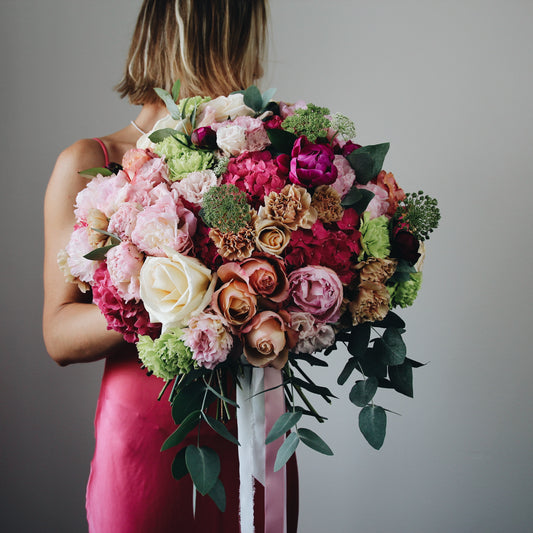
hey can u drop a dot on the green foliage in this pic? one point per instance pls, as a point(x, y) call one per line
point(313, 441)
point(218, 495)
point(390, 348)
point(373, 425)
point(367, 161)
point(95, 171)
point(363, 391)
point(183, 430)
point(343, 126)
point(311, 122)
point(285, 422)
point(179, 468)
point(188, 399)
point(401, 377)
point(225, 208)
point(282, 141)
point(420, 212)
point(358, 199)
point(203, 464)
point(220, 428)
point(286, 450)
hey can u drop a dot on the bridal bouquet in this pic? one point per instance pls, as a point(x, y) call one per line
point(244, 233)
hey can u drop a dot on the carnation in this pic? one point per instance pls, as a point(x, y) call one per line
point(375, 240)
point(193, 187)
point(167, 356)
point(208, 337)
point(312, 336)
point(404, 293)
point(129, 318)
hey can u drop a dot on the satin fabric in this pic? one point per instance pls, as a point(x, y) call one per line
point(131, 489)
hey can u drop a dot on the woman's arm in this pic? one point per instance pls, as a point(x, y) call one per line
point(74, 330)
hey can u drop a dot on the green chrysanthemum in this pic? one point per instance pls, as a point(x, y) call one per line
point(375, 239)
point(166, 356)
point(404, 293)
point(180, 159)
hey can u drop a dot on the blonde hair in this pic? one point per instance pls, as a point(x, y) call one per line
point(213, 46)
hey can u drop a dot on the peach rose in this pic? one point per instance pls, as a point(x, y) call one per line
point(234, 302)
point(267, 339)
point(271, 237)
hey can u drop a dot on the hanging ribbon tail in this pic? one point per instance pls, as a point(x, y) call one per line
point(275, 486)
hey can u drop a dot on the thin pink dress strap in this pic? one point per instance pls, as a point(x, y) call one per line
point(104, 149)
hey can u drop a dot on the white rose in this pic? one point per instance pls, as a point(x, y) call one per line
point(175, 288)
point(219, 109)
point(165, 122)
point(231, 139)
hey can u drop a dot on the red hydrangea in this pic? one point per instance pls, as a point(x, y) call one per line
point(129, 318)
point(331, 245)
point(256, 174)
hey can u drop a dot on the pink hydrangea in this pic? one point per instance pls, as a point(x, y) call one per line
point(164, 223)
point(105, 193)
point(379, 205)
point(208, 337)
point(76, 248)
point(124, 264)
point(345, 176)
point(124, 219)
point(129, 318)
point(256, 174)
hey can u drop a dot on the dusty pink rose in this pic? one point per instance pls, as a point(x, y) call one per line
point(234, 302)
point(123, 220)
point(345, 175)
point(317, 290)
point(379, 204)
point(124, 264)
point(193, 187)
point(164, 224)
point(267, 339)
point(209, 339)
point(265, 276)
point(77, 247)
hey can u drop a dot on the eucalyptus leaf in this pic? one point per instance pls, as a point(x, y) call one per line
point(401, 377)
point(220, 396)
point(352, 197)
point(176, 90)
point(373, 425)
point(282, 141)
point(308, 358)
point(183, 430)
point(349, 367)
point(179, 468)
point(172, 107)
point(311, 387)
point(286, 450)
point(397, 350)
point(98, 254)
point(392, 320)
point(285, 422)
point(359, 338)
point(218, 495)
point(115, 239)
point(203, 464)
point(93, 172)
point(159, 135)
point(361, 205)
point(415, 364)
point(187, 400)
point(220, 428)
point(253, 98)
point(367, 161)
point(371, 363)
point(403, 271)
point(311, 439)
point(363, 391)
point(267, 96)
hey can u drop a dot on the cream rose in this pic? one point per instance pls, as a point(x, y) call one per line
point(166, 122)
point(272, 236)
point(174, 288)
point(231, 139)
point(219, 109)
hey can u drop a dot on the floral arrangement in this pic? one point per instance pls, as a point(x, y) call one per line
point(243, 232)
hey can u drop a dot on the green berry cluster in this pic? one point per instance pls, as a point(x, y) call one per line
point(225, 208)
point(421, 212)
point(311, 122)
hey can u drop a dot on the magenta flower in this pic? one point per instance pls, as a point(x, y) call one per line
point(312, 164)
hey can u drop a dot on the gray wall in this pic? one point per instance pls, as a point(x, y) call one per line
point(449, 85)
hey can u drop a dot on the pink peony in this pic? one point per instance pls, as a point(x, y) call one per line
point(209, 339)
point(317, 290)
point(124, 219)
point(193, 187)
point(164, 223)
point(77, 247)
point(256, 174)
point(345, 175)
point(134, 159)
point(124, 264)
point(312, 164)
point(131, 318)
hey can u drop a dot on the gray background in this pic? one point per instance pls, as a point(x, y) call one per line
point(449, 85)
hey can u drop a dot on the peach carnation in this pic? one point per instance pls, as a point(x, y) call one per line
point(327, 203)
point(291, 206)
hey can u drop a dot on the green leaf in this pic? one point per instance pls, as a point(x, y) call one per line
point(373, 424)
point(401, 377)
point(159, 135)
point(218, 395)
point(98, 254)
point(371, 363)
point(187, 400)
point(115, 239)
point(282, 425)
point(349, 367)
point(367, 161)
point(172, 107)
point(179, 468)
point(218, 495)
point(415, 364)
point(176, 90)
point(363, 391)
point(392, 320)
point(395, 347)
point(185, 428)
point(267, 96)
point(308, 358)
point(311, 387)
point(282, 141)
point(220, 428)
point(204, 466)
point(286, 450)
point(403, 272)
point(353, 196)
point(253, 98)
point(93, 172)
point(361, 205)
point(359, 337)
point(311, 439)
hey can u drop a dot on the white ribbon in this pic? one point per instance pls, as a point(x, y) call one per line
point(251, 431)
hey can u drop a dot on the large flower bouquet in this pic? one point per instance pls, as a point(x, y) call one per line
point(245, 233)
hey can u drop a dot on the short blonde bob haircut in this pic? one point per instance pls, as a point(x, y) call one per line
point(213, 46)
